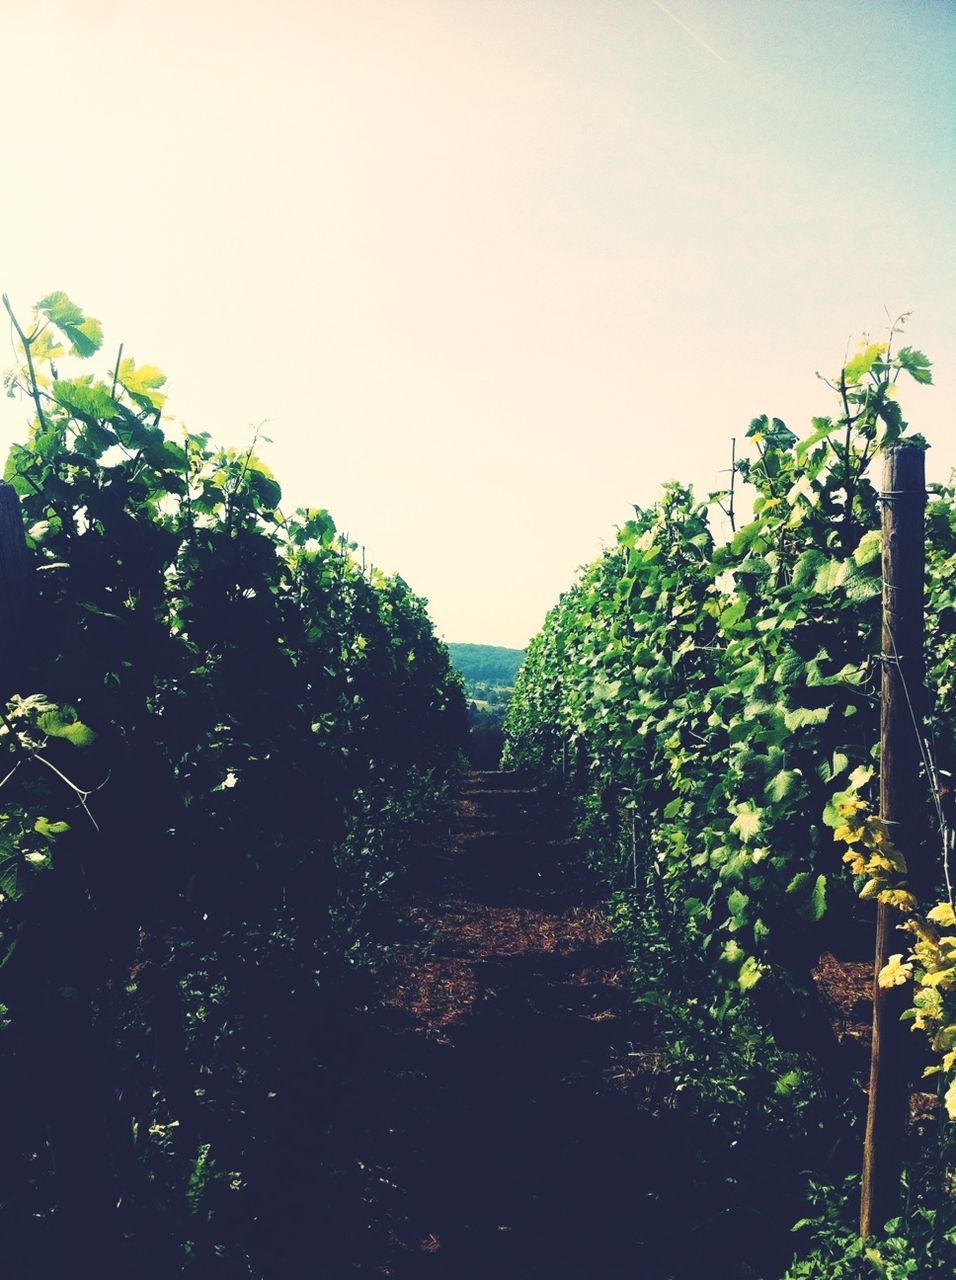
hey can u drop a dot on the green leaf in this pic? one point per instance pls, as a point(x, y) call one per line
point(823, 427)
point(747, 822)
point(11, 872)
point(773, 432)
point(64, 724)
point(831, 814)
point(814, 902)
point(95, 439)
point(807, 567)
point(862, 363)
point(737, 903)
point(135, 434)
point(86, 338)
point(267, 491)
point(791, 669)
point(745, 537)
point(916, 364)
point(732, 615)
point(859, 587)
point(782, 784)
point(840, 763)
point(86, 398)
point(751, 971)
point(83, 332)
point(800, 717)
point(868, 548)
point(58, 308)
point(830, 576)
point(786, 1084)
point(50, 830)
point(799, 882)
point(875, 1259)
point(736, 867)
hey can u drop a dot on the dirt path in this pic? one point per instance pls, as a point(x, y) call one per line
point(518, 1148)
point(500, 1112)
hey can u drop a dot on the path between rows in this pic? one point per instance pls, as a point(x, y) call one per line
point(523, 1129)
point(520, 1141)
point(500, 1111)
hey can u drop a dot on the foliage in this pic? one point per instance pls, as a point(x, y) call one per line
point(486, 664)
point(237, 738)
point(709, 705)
point(725, 693)
point(920, 1244)
point(488, 672)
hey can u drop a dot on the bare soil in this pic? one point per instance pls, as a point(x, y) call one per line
point(506, 1113)
point(518, 1120)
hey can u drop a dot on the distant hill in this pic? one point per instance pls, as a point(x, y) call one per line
point(486, 664)
point(489, 673)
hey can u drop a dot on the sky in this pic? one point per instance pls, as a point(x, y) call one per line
point(489, 271)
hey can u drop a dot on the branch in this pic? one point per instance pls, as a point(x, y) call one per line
point(11, 773)
point(119, 356)
point(34, 386)
point(80, 794)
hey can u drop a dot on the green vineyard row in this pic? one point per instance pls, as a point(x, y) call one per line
point(713, 710)
point(220, 738)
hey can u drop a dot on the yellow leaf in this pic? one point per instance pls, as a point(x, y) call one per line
point(877, 862)
point(901, 899)
point(894, 973)
point(875, 1258)
point(943, 914)
point(142, 383)
point(941, 978)
point(847, 834)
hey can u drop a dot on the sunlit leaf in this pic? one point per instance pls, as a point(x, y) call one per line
point(142, 383)
point(64, 724)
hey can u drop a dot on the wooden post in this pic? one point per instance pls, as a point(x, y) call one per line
point(634, 845)
point(901, 725)
point(15, 585)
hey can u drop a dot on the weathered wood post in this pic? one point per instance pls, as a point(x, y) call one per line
point(15, 587)
point(901, 727)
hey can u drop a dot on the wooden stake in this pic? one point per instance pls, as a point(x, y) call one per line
point(15, 586)
point(634, 845)
point(901, 727)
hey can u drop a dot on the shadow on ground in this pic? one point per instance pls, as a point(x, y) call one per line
point(508, 1117)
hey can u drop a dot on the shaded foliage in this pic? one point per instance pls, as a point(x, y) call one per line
point(238, 737)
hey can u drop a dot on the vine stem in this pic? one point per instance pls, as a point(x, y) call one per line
point(80, 794)
point(119, 357)
point(34, 385)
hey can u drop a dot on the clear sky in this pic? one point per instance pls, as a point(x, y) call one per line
point(492, 270)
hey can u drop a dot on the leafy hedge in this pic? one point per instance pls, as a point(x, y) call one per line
point(710, 707)
point(236, 739)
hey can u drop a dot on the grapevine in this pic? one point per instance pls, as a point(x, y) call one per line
point(219, 746)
